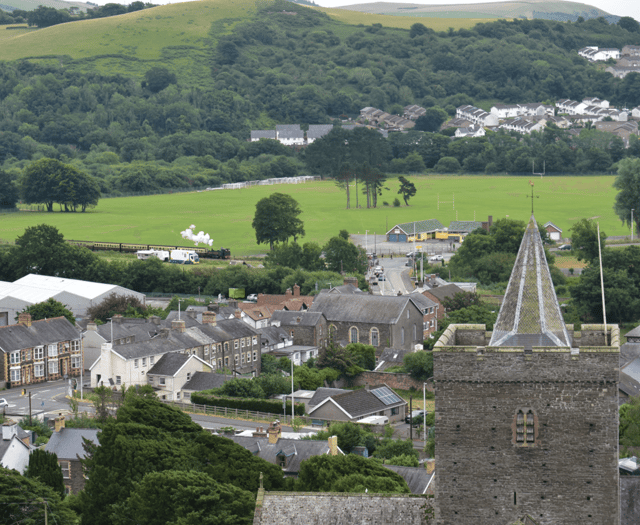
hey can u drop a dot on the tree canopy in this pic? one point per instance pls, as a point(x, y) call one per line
point(276, 219)
point(44, 467)
point(48, 309)
point(628, 198)
point(407, 189)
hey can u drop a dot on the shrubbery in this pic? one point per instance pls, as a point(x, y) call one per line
point(253, 405)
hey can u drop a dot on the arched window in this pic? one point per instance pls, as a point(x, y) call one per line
point(332, 332)
point(375, 337)
point(353, 335)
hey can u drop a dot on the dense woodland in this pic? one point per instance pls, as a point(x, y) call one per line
point(138, 135)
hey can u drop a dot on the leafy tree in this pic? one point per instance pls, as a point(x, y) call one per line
point(404, 460)
point(584, 239)
point(116, 304)
point(475, 314)
point(365, 355)
point(431, 120)
point(628, 198)
point(390, 448)
point(349, 435)
point(344, 256)
point(350, 473)
point(407, 189)
point(460, 300)
point(338, 358)
point(157, 78)
point(44, 466)
point(629, 23)
point(308, 378)
point(292, 255)
point(48, 309)
point(240, 388)
point(630, 427)
point(189, 497)
point(276, 219)
point(447, 165)
point(21, 501)
point(419, 365)
point(8, 191)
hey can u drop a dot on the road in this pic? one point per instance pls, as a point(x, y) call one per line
point(46, 398)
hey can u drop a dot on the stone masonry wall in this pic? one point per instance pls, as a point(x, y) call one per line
point(296, 508)
point(401, 381)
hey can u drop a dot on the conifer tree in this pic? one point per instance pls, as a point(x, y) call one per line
point(44, 466)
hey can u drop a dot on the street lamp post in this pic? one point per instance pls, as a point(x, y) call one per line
point(366, 242)
point(424, 413)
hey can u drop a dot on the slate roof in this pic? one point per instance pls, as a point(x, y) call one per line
point(444, 292)
point(628, 352)
point(297, 318)
point(5, 445)
point(123, 330)
point(272, 335)
point(630, 378)
point(323, 393)
point(416, 477)
point(421, 301)
point(288, 127)
point(392, 355)
point(464, 226)
point(344, 289)
point(155, 346)
point(189, 322)
point(288, 350)
point(295, 450)
point(427, 226)
point(553, 226)
point(46, 331)
point(633, 333)
point(360, 308)
point(358, 403)
point(67, 443)
point(263, 134)
point(227, 329)
point(169, 364)
point(317, 131)
point(206, 381)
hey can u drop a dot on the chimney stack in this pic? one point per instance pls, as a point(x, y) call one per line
point(58, 423)
point(274, 431)
point(214, 307)
point(288, 293)
point(117, 319)
point(238, 313)
point(260, 432)
point(164, 332)
point(25, 319)
point(92, 326)
point(178, 326)
point(9, 429)
point(333, 446)
point(296, 290)
point(155, 320)
point(209, 317)
point(351, 280)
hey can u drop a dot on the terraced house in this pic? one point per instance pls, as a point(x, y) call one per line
point(37, 351)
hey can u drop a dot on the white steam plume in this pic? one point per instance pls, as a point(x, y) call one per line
point(197, 238)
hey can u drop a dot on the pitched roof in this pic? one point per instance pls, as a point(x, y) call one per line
point(553, 226)
point(361, 308)
point(67, 443)
point(358, 403)
point(169, 364)
point(444, 292)
point(633, 333)
point(421, 301)
point(345, 289)
point(530, 314)
point(323, 393)
point(287, 318)
point(318, 130)
point(464, 226)
point(630, 378)
point(206, 381)
point(295, 450)
point(227, 329)
point(263, 134)
point(45, 331)
point(272, 335)
point(416, 477)
point(429, 225)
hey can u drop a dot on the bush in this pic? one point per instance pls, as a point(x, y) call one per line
point(396, 202)
point(254, 405)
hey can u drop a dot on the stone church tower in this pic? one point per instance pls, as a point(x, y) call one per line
point(527, 415)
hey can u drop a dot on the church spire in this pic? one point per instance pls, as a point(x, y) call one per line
point(530, 314)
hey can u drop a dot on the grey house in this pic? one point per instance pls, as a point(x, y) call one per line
point(377, 320)
point(306, 328)
point(358, 404)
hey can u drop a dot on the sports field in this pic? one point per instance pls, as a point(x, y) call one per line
point(227, 214)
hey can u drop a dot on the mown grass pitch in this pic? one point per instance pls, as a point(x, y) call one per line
point(227, 214)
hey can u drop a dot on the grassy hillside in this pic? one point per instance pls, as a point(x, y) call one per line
point(227, 215)
point(30, 5)
point(514, 9)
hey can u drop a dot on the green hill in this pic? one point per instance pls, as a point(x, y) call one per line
point(30, 5)
point(531, 9)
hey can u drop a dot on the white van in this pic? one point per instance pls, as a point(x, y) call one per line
point(374, 420)
point(184, 257)
point(143, 255)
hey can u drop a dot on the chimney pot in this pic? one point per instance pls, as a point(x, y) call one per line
point(178, 326)
point(25, 319)
point(209, 318)
point(59, 423)
point(333, 445)
point(296, 290)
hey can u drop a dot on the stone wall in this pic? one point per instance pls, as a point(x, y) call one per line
point(629, 499)
point(316, 508)
point(401, 381)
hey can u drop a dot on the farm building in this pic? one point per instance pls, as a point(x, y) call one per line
point(421, 229)
point(77, 295)
point(555, 233)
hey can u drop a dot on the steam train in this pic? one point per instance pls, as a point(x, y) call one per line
point(202, 251)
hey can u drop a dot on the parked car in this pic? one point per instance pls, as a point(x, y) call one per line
point(564, 247)
point(3, 403)
point(382, 278)
point(252, 297)
point(414, 415)
point(436, 258)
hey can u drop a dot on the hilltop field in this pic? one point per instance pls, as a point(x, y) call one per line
point(227, 214)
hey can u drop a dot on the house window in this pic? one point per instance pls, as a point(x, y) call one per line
point(75, 346)
point(151, 359)
point(220, 348)
point(38, 370)
point(353, 335)
point(242, 340)
point(75, 361)
point(226, 347)
point(219, 363)
point(38, 352)
point(525, 427)
point(235, 358)
point(248, 357)
point(118, 380)
point(255, 339)
point(235, 344)
point(332, 332)
point(135, 363)
point(282, 461)
point(161, 381)
point(15, 357)
point(15, 374)
point(188, 376)
point(53, 366)
point(27, 355)
point(395, 411)
point(432, 323)
point(177, 396)
point(206, 350)
point(375, 337)
point(144, 361)
point(243, 358)
point(65, 466)
point(53, 350)
point(408, 314)
point(255, 356)
point(226, 361)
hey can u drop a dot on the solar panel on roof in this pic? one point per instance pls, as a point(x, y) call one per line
point(386, 395)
